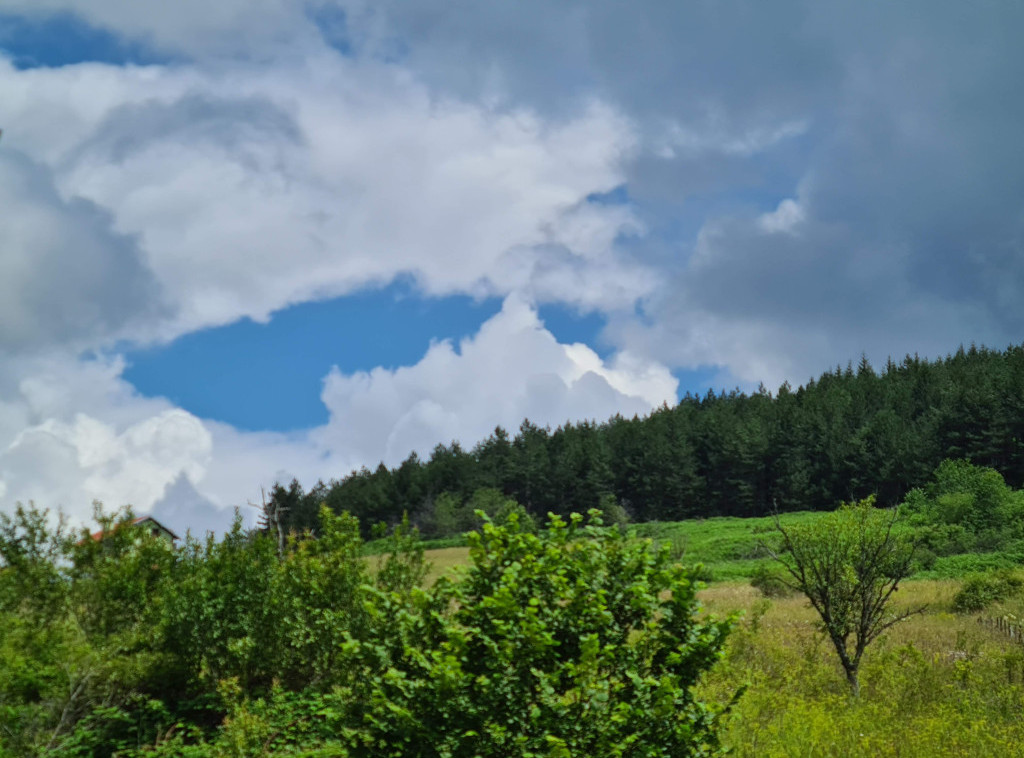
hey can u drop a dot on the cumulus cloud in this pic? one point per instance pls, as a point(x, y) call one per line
point(904, 235)
point(803, 182)
point(512, 369)
point(132, 465)
point(183, 509)
point(152, 201)
point(252, 189)
point(72, 431)
point(890, 130)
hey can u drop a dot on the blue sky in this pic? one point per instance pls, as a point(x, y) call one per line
point(271, 238)
point(63, 39)
point(268, 375)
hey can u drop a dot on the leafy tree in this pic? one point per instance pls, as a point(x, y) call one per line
point(574, 641)
point(452, 515)
point(448, 516)
point(966, 507)
point(849, 565)
point(31, 551)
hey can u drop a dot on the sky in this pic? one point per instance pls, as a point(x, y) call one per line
point(252, 240)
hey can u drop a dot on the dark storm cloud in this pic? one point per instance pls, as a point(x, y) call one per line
point(896, 129)
point(66, 276)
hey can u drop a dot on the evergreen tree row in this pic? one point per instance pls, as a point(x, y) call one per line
point(850, 433)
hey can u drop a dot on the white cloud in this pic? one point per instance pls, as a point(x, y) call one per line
point(263, 169)
point(74, 431)
point(716, 137)
point(784, 219)
point(512, 369)
point(152, 201)
point(65, 275)
point(253, 188)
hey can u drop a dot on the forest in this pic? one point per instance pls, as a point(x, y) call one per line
point(845, 435)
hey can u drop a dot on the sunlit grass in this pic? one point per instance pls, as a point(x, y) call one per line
point(936, 685)
point(443, 560)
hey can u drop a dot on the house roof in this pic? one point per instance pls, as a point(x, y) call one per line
point(140, 520)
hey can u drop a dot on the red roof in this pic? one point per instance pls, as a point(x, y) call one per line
point(140, 520)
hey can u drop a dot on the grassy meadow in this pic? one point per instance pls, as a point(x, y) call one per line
point(728, 548)
point(939, 684)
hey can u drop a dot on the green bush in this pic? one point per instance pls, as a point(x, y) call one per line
point(975, 498)
point(576, 641)
point(677, 544)
point(770, 583)
point(924, 560)
point(979, 592)
point(701, 573)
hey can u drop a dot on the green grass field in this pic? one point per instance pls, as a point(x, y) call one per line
point(730, 548)
point(936, 685)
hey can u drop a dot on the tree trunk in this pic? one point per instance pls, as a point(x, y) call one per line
point(854, 682)
point(851, 665)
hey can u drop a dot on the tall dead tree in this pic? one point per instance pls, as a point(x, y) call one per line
point(271, 519)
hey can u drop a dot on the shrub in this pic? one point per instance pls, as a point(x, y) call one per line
point(701, 573)
point(676, 543)
point(770, 583)
point(924, 560)
point(579, 640)
point(612, 512)
point(982, 590)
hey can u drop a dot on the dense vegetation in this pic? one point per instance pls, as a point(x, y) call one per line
point(565, 640)
point(571, 640)
point(842, 437)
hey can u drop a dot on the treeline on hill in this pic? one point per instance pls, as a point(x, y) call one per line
point(842, 437)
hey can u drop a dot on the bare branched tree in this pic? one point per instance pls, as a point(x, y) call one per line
point(271, 519)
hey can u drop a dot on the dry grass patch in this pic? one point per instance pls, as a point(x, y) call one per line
point(936, 684)
point(443, 560)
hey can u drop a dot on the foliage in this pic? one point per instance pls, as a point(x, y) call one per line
point(966, 508)
point(770, 583)
point(982, 590)
point(848, 565)
point(574, 641)
point(450, 514)
point(31, 552)
point(612, 512)
point(564, 640)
